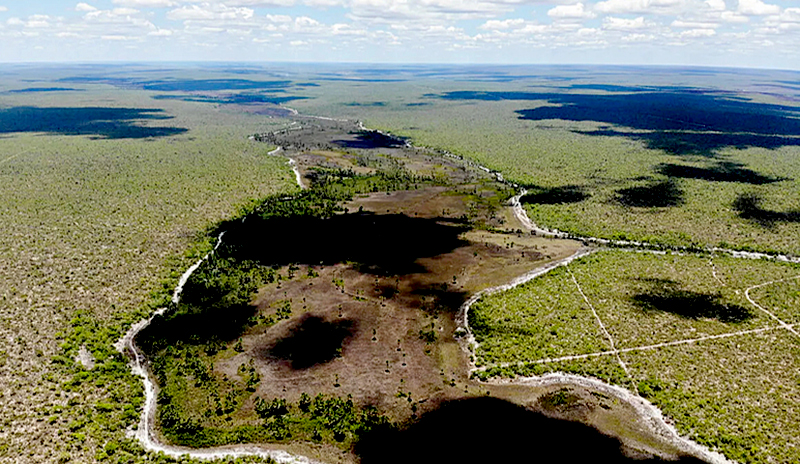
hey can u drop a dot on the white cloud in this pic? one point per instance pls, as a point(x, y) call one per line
point(84, 7)
point(279, 18)
point(731, 17)
point(639, 6)
point(715, 5)
point(260, 3)
point(622, 24)
point(160, 33)
point(146, 3)
point(638, 38)
point(124, 11)
point(3, 8)
point(757, 8)
point(576, 11)
point(693, 24)
point(210, 12)
point(695, 33)
point(494, 24)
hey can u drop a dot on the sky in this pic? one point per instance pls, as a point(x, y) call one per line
point(738, 33)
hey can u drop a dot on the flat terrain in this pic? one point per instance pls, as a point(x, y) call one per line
point(684, 336)
point(116, 178)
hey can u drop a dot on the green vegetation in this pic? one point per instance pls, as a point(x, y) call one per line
point(95, 234)
point(614, 172)
point(735, 394)
point(201, 407)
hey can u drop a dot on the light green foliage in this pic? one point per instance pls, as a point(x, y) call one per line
point(544, 318)
point(94, 235)
point(553, 153)
point(738, 395)
point(735, 394)
point(781, 299)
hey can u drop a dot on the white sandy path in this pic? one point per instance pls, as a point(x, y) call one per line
point(14, 156)
point(656, 346)
point(783, 324)
point(603, 328)
point(651, 415)
point(145, 431)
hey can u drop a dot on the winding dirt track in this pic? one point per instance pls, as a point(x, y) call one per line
point(654, 420)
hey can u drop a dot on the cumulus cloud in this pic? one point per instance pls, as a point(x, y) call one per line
point(639, 6)
point(494, 24)
point(622, 24)
point(210, 12)
point(84, 7)
point(3, 8)
point(695, 33)
point(146, 3)
point(757, 8)
point(693, 24)
point(576, 11)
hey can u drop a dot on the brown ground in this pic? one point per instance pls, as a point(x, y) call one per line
point(355, 331)
point(377, 320)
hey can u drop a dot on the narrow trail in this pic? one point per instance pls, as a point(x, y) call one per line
point(783, 324)
point(656, 346)
point(603, 328)
point(522, 217)
point(714, 272)
point(14, 156)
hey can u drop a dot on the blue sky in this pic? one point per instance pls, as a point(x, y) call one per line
point(742, 33)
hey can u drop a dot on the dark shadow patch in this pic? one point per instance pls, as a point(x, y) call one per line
point(610, 88)
point(311, 341)
point(371, 139)
point(666, 296)
point(366, 104)
point(723, 119)
point(440, 298)
point(207, 85)
point(197, 325)
point(387, 244)
point(489, 430)
point(656, 195)
point(236, 99)
point(698, 143)
point(45, 90)
point(108, 123)
point(555, 195)
point(748, 206)
point(724, 171)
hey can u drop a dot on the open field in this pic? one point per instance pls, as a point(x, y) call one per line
point(93, 226)
point(688, 178)
point(284, 319)
point(116, 179)
point(685, 335)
